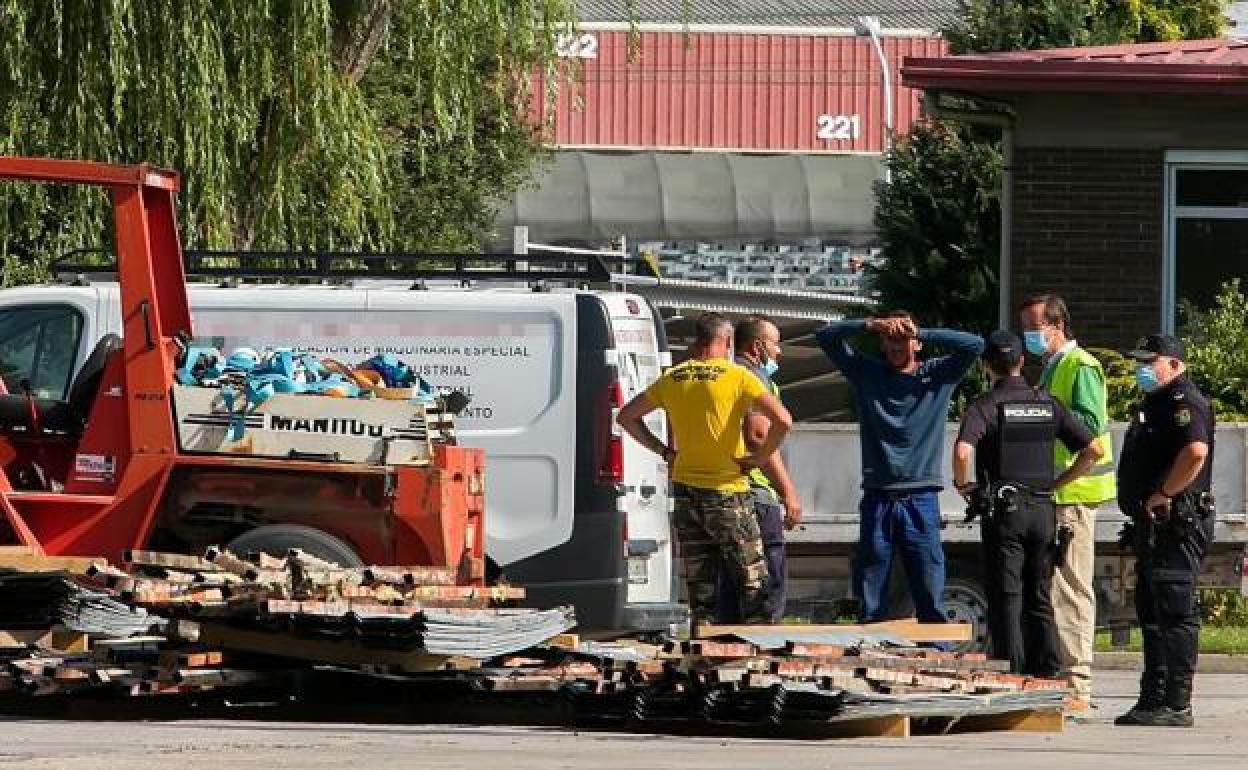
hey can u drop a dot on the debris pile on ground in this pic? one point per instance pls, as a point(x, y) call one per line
point(224, 624)
point(142, 665)
point(730, 682)
point(166, 623)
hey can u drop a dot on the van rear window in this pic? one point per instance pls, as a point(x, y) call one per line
point(509, 362)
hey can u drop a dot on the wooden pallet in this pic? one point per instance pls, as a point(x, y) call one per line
point(906, 629)
point(904, 726)
point(50, 639)
point(19, 559)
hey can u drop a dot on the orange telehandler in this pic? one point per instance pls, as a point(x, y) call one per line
point(112, 466)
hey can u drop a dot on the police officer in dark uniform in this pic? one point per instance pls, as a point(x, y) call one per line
point(1011, 430)
point(1163, 487)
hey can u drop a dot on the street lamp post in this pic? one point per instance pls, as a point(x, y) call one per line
point(869, 26)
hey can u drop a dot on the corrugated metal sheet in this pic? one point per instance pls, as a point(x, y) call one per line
point(929, 14)
point(733, 91)
point(1186, 67)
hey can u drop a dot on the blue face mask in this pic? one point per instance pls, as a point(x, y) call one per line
point(770, 367)
point(1037, 342)
point(1146, 378)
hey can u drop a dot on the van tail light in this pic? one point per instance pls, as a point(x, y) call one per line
point(611, 471)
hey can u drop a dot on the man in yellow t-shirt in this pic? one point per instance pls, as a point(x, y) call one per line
point(706, 399)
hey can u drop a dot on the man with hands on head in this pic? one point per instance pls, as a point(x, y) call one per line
point(903, 405)
point(706, 399)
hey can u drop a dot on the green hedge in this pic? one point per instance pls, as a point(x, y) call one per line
point(1217, 358)
point(1223, 608)
point(1217, 350)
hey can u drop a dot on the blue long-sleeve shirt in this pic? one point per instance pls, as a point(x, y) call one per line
point(902, 416)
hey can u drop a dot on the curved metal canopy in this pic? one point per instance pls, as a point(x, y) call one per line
point(656, 195)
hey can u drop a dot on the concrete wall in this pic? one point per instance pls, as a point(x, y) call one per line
point(825, 464)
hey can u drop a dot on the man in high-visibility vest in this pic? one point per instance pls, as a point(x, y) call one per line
point(1076, 380)
point(756, 342)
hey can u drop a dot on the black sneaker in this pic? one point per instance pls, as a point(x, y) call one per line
point(1138, 716)
point(1170, 717)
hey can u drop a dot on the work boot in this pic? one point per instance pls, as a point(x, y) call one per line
point(1152, 699)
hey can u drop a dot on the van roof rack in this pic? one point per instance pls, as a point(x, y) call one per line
point(351, 265)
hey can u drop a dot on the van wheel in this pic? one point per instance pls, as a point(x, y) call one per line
point(967, 602)
point(277, 539)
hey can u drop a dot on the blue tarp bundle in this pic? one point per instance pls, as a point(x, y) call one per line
point(247, 378)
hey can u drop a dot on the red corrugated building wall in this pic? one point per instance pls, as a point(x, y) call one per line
point(731, 91)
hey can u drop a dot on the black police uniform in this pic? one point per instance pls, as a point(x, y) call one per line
point(1171, 550)
point(1012, 428)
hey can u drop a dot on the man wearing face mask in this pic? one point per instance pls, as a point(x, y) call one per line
point(757, 345)
point(1164, 479)
point(1076, 380)
point(903, 406)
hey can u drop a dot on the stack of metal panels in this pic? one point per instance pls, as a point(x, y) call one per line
point(394, 608)
point(487, 634)
point(43, 600)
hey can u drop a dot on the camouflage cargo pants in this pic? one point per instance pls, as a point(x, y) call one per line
point(714, 529)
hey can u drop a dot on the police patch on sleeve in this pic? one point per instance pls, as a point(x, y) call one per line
point(1183, 417)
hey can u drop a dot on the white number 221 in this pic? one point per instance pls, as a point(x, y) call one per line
point(839, 128)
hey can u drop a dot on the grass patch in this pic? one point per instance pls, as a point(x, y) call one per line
point(1217, 640)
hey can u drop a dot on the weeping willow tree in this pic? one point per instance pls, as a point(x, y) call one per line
point(460, 145)
point(264, 106)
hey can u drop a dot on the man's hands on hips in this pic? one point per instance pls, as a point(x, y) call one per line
point(749, 462)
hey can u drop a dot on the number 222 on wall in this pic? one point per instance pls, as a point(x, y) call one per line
point(838, 128)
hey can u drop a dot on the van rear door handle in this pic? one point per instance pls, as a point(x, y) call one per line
point(648, 490)
point(642, 547)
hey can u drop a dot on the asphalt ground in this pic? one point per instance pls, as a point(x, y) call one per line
point(1218, 740)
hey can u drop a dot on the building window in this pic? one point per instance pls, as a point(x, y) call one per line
point(1206, 227)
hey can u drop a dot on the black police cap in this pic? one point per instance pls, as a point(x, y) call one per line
point(1154, 345)
point(1004, 347)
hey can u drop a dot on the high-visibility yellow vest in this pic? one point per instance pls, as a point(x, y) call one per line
point(1099, 485)
point(759, 479)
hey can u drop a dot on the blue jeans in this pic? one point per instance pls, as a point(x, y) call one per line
point(906, 523)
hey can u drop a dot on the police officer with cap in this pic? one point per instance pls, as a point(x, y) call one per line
point(1163, 487)
point(1011, 431)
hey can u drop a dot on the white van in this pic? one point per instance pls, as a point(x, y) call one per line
point(576, 513)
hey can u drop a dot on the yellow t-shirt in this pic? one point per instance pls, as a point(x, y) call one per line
point(706, 402)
